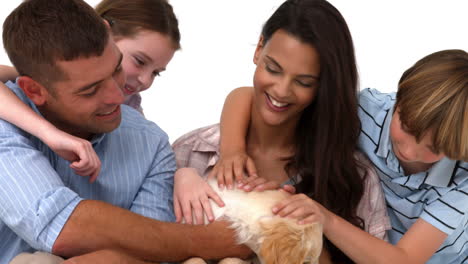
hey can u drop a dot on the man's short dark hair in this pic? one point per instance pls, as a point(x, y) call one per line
point(38, 33)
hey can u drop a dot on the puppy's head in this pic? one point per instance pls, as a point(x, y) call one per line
point(284, 241)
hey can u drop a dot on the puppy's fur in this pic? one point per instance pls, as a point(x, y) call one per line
point(274, 239)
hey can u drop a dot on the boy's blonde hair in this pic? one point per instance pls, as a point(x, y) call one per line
point(433, 97)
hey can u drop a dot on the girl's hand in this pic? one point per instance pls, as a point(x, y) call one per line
point(191, 194)
point(302, 208)
point(80, 152)
point(231, 167)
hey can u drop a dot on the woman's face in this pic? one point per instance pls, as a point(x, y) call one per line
point(286, 78)
point(145, 56)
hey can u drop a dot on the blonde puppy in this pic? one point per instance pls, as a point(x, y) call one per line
point(275, 240)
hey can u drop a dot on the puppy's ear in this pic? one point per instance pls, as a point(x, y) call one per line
point(287, 242)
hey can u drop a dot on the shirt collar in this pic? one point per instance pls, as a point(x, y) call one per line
point(97, 138)
point(385, 145)
point(440, 174)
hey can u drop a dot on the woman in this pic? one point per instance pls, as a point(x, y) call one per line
point(147, 34)
point(303, 123)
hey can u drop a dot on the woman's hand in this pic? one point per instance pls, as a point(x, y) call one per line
point(302, 208)
point(230, 168)
point(191, 197)
point(80, 152)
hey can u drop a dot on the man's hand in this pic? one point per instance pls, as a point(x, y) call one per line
point(225, 239)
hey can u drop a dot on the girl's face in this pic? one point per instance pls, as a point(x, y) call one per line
point(286, 78)
point(407, 149)
point(145, 56)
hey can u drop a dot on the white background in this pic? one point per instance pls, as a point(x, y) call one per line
point(219, 38)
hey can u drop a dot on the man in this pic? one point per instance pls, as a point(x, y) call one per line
point(70, 72)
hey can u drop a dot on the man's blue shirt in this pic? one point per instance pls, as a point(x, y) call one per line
point(39, 191)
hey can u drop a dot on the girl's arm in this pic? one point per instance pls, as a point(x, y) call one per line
point(235, 119)
point(417, 246)
point(80, 152)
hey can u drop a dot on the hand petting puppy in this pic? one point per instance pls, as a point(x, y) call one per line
point(302, 208)
point(191, 197)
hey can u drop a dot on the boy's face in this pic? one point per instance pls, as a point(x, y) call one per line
point(88, 101)
point(405, 147)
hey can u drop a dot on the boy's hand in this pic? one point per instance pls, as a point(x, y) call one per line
point(80, 152)
point(191, 195)
point(230, 168)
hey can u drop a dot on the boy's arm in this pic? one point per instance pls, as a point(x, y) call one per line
point(97, 225)
point(417, 246)
point(235, 119)
point(7, 73)
point(76, 150)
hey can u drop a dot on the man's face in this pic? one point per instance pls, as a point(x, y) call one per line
point(88, 101)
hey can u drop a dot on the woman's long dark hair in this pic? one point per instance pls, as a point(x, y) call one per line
point(327, 133)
